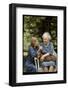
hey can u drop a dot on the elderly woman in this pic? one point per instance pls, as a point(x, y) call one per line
point(47, 47)
point(32, 53)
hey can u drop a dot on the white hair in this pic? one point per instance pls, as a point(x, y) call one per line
point(46, 34)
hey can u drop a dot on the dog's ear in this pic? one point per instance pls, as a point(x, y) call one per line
point(37, 47)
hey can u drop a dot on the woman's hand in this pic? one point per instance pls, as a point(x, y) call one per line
point(41, 48)
point(47, 54)
point(43, 56)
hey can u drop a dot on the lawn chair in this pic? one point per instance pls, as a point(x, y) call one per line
point(37, 64)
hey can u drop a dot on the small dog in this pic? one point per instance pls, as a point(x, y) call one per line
point(50, 57)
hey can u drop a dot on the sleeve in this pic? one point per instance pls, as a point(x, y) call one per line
point(51, 48)
point(32, 52)
point(43, 49)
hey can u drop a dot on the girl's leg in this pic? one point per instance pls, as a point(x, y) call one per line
point(30, 67)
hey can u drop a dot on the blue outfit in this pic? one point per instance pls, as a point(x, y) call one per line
point(30, 64)
point(48, 49)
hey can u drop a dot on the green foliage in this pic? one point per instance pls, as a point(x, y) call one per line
point(36, 26)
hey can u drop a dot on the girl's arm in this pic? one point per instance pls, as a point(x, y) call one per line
point(32, 53)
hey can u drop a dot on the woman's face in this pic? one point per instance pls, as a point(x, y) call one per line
point(45, 40)
point(34, 41)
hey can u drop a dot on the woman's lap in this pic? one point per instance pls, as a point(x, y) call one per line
point(48, 63)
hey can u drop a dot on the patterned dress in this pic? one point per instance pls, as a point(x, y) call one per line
point(48, 49)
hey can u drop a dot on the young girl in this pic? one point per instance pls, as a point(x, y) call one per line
point(32, 53)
